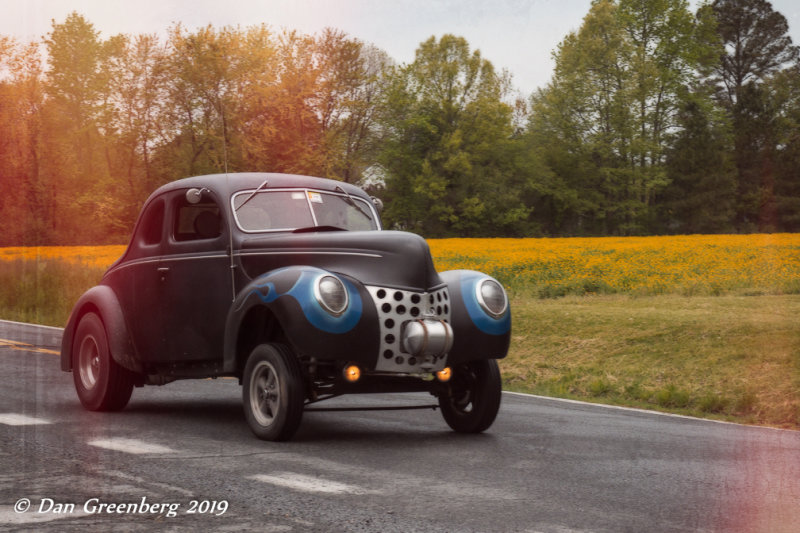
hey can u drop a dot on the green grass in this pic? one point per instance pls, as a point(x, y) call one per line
point(43, 292)
point(733, 358)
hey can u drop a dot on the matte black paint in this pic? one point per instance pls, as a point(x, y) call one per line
point(386, 258)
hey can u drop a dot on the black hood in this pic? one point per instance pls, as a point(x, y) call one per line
point(384, 258)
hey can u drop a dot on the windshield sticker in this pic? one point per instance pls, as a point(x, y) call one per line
point(315, 197)
point(297, 196)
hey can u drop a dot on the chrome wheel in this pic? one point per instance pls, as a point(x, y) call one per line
point(89, 362)
point(463, 401)
point(265, 391)
point(273, 392)
point(101, 383)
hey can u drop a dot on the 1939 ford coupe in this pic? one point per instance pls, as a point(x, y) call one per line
point(290, 284)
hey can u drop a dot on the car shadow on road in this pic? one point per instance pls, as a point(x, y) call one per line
point(374, 428)
point(223, 419)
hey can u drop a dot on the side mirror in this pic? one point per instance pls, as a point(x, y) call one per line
point(193, 196)
point(378, 203)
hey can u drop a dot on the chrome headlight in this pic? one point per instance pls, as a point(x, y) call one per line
point(331, 294)
point(491, 297)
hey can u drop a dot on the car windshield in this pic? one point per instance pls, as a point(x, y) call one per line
point(284, 210)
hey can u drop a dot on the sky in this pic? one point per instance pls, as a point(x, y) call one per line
point(517, 35)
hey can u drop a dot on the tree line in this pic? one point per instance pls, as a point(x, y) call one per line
point(656, 120)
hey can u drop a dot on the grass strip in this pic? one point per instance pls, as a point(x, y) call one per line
point(734, 358)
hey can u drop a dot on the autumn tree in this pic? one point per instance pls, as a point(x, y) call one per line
point(74, 85)
point(317, 113)
point(90, 136)
point(137, 86)
point(283, 128)
point(350, 83)
point(214, 78)
point(74, 164)
point(24, 195)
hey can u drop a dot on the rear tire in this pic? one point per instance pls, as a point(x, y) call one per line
point(273, 392)
point(101, 383)
point(474, 396)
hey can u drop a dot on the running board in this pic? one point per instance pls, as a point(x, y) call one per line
point(395, 408)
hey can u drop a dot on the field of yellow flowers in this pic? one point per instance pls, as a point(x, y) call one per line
point(91, 256)
point(687, 265)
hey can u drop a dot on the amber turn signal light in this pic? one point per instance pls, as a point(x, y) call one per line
point(352, 373)
point(444, 374)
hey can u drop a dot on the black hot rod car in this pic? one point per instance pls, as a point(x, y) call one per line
point(290, 284)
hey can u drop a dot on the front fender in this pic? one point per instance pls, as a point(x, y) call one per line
point(102, 300)
point(288, 294)
point(476, 334)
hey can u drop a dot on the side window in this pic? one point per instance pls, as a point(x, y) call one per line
point(152, 222)
point(194, 222)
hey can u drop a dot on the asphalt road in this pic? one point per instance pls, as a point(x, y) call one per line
point(181, 458)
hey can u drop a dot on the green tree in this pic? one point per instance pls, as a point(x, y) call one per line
point(701, 195)
point(448, 152)
point(785, 88)
point(756, 43)
point(603, 120)
point(582, 120)
point(756, 46)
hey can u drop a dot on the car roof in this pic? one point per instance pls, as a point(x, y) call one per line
point(226, 184)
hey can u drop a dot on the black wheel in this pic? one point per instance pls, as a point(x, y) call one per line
point(474, 396)
point(273, 392)
point(101, 383)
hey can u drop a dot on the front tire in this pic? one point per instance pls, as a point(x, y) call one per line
point(473, 397)
point(273, 392)
point(101, 384)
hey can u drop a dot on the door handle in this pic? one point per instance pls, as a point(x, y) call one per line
point(162, 272)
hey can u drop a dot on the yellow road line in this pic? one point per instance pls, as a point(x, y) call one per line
point(16, 345)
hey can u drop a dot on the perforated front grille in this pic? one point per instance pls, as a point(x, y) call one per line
point(395, 308)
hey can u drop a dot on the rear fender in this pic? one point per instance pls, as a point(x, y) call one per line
point(102, 300)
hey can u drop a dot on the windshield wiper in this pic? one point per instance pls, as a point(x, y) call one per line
point(260, 187)
point(311, 229)
point(353, 202)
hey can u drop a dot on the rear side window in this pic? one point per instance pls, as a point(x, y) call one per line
point(152, 224)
